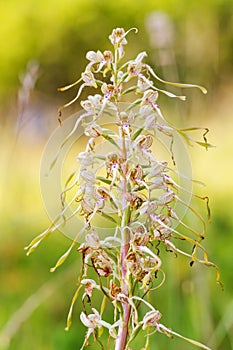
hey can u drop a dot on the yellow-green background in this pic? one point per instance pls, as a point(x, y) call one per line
point(58, 34)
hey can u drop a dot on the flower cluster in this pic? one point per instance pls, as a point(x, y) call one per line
point(132, 189)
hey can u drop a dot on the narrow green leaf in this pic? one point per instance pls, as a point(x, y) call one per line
point(99, 156)
point(108, 217)
point(111, 140)
point(132, 88)
point(204, 144)
point(193, 128)
point(70, 177)
point(137, 133)
point(103, 179)
point(134, 334)
point(109, 132)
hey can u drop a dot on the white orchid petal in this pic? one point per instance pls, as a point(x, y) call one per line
point(92, 56)
point(85, 320)
point(140, 56)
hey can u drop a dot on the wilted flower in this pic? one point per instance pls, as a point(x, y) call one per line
point(93, 130)
point(122, 298)
point(90, 285)
point(103, 264)
point(103, 192)
point(136, 174)
point(151, 318)
point(135, 200)
point(114, 289)
point(89, 78)
point(140, 237)
point(145, 141)
point(136, 266)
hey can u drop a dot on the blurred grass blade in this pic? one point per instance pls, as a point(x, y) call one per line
point(111, 140)
point(137, 133)
point(194, 342)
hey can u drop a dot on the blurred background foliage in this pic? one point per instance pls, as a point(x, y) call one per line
point(189, 41)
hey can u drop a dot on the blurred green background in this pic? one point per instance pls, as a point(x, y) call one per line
point(189, 41)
